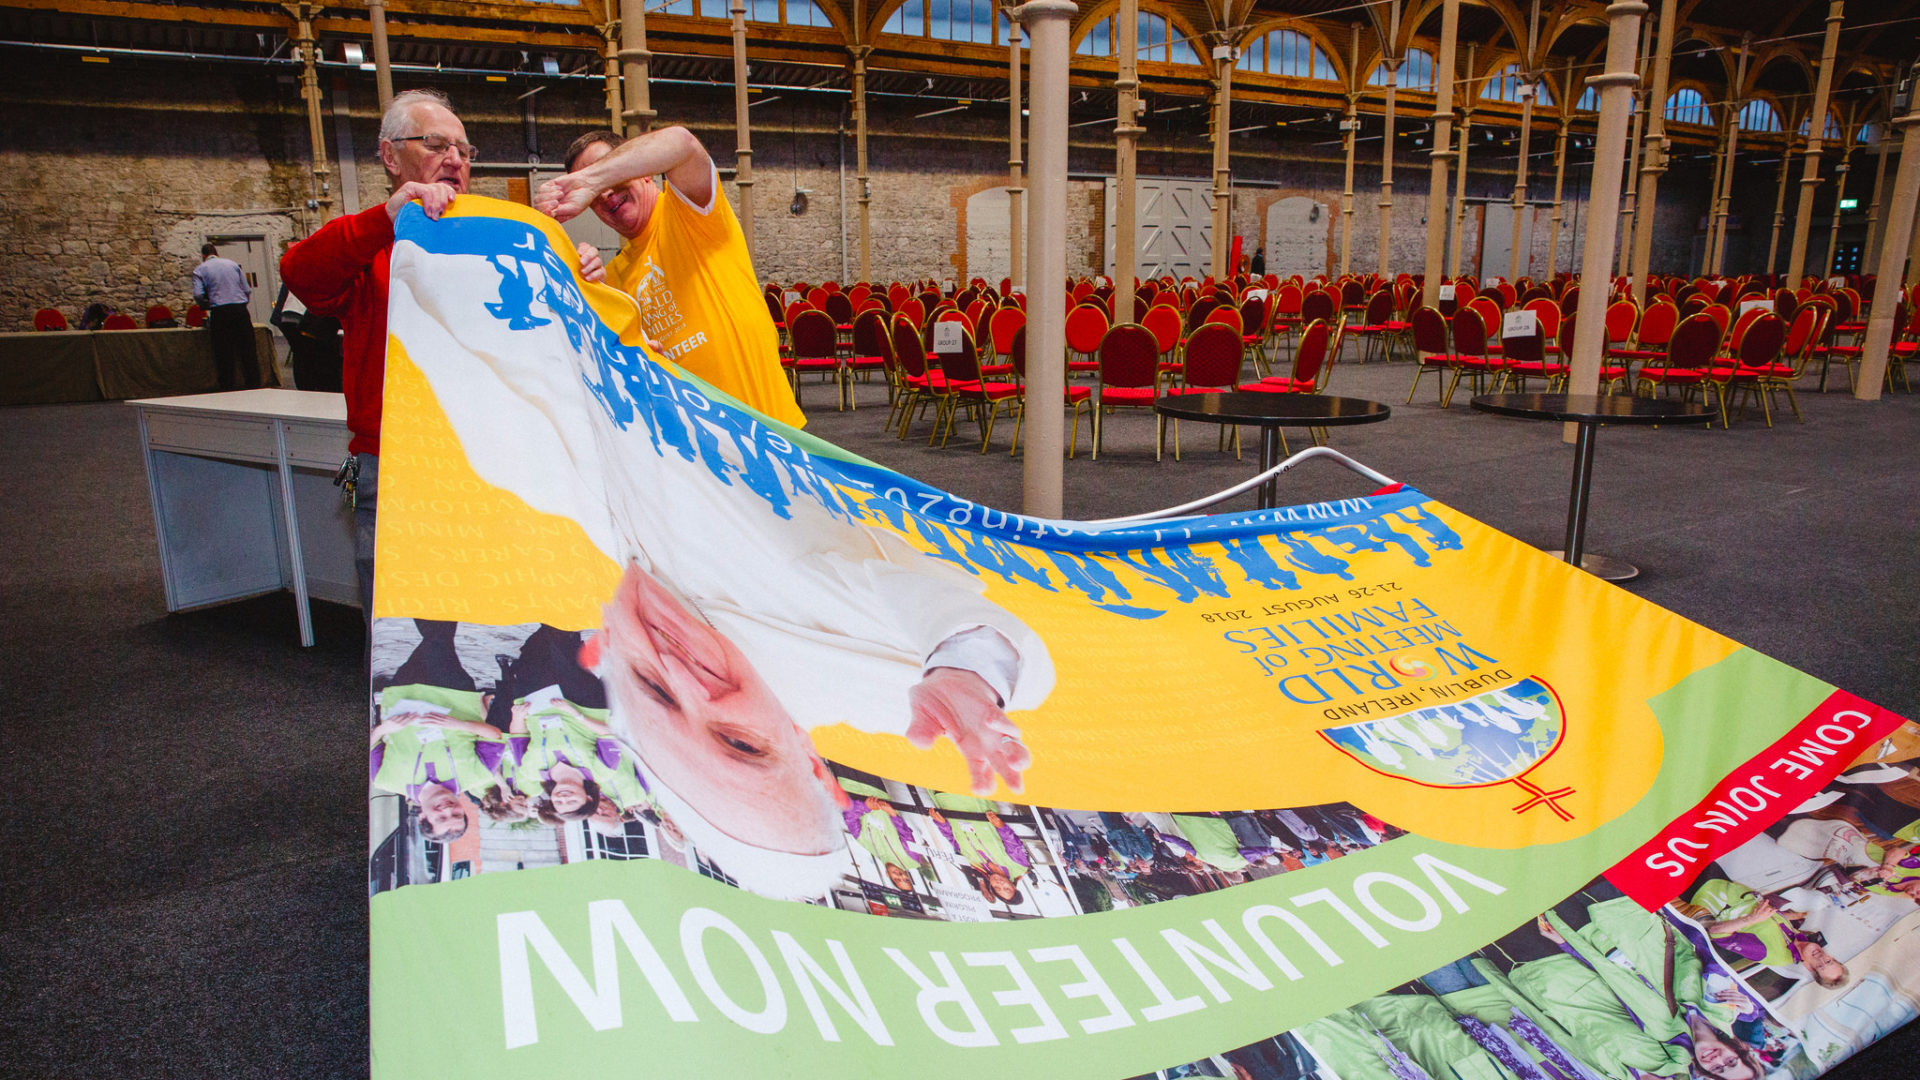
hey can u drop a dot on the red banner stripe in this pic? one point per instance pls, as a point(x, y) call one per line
point(1754, 796)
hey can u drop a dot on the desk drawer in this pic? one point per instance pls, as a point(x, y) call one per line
point(211, 436)
point(316, 445)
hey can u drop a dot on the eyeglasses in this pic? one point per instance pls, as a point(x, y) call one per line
point(440, 144)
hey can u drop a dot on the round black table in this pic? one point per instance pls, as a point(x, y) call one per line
point(1270, 413)
point(1589, 411)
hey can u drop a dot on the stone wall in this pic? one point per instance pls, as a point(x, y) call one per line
point(114, 174)
point(111, 177)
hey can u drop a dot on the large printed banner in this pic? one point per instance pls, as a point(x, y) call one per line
point(803, 768)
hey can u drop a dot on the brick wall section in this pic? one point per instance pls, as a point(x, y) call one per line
point(112, 175)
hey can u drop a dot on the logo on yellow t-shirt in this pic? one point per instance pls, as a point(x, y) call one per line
point(659, 315)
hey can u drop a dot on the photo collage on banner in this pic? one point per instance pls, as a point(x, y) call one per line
point(694, 736)
point(490, 751)
point(1820, 913)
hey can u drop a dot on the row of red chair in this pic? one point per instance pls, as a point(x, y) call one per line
point(1630, 334)
point(1708, 352)
point(1133, 365)
point(159, 315)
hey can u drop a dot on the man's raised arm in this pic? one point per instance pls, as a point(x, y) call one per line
point(674, 151)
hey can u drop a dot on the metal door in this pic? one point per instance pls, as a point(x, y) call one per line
point(251, 253)
point(1496, 240)
point(1173, 227)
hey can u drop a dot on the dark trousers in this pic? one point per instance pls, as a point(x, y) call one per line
point(549, 657)
point(435, 661)
point(234, 362)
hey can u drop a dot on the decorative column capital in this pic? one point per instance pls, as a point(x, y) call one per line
point(1043, 9)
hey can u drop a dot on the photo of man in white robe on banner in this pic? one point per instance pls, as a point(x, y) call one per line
point(715, 666)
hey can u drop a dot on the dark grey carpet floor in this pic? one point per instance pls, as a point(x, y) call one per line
point(184, 831)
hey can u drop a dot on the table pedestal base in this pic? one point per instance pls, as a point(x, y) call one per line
point(1603, 567)
point(1588, 412)
point(1269, 457)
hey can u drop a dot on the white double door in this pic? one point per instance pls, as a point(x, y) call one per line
point(1173, 227)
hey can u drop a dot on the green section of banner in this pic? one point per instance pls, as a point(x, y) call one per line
point(1729, 711)
point(522, 974)
point(514, 974)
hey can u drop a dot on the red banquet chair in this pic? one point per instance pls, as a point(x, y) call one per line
point(1255, 312)
point(118, 321)
point(1656, 329)
point(913, 309)
point(1432, 349)
point(795, 309)
point(1322, 304)
point(1215, 356)
point(945, 314)
point(813, 347)
point(872, 351)
point(160, 316)
point(1128, 377)
point(1005, 322)
point(1075, 396)
point(920, 384)
point(1621, 318)
point(1689, 360)
point(1312, 363)
point(49, 319)
point(1087, 326)
point(840, 306)
point(1319, 304)
point(1547, 310)
point(977, 310)
point(1905, 346)
point(967, 389)
point(1829, 350)
point(1721, 315)
point(1312, 366)
point(1489, 308)
point(1164, 324)
point(1525, 357)
point(196, 316)
point(1199, 309)
point(1353, 294)
point(1286, 307)
point(1757, 358)
point(1378, 326)
point(1470, 356)
point(1228, 315)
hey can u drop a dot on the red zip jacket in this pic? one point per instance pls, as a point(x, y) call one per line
point(342, 271)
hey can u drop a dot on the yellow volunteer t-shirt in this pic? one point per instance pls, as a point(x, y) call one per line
point(699, 299)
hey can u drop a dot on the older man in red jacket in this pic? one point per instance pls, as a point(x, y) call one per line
point(341, 271)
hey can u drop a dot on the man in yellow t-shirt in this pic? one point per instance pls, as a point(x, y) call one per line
point(685, 260)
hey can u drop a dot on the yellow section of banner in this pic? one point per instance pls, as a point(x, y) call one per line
point(1174, 714)
point(453, 546)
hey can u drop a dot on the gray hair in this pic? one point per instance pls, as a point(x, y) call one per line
point(398, 119)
